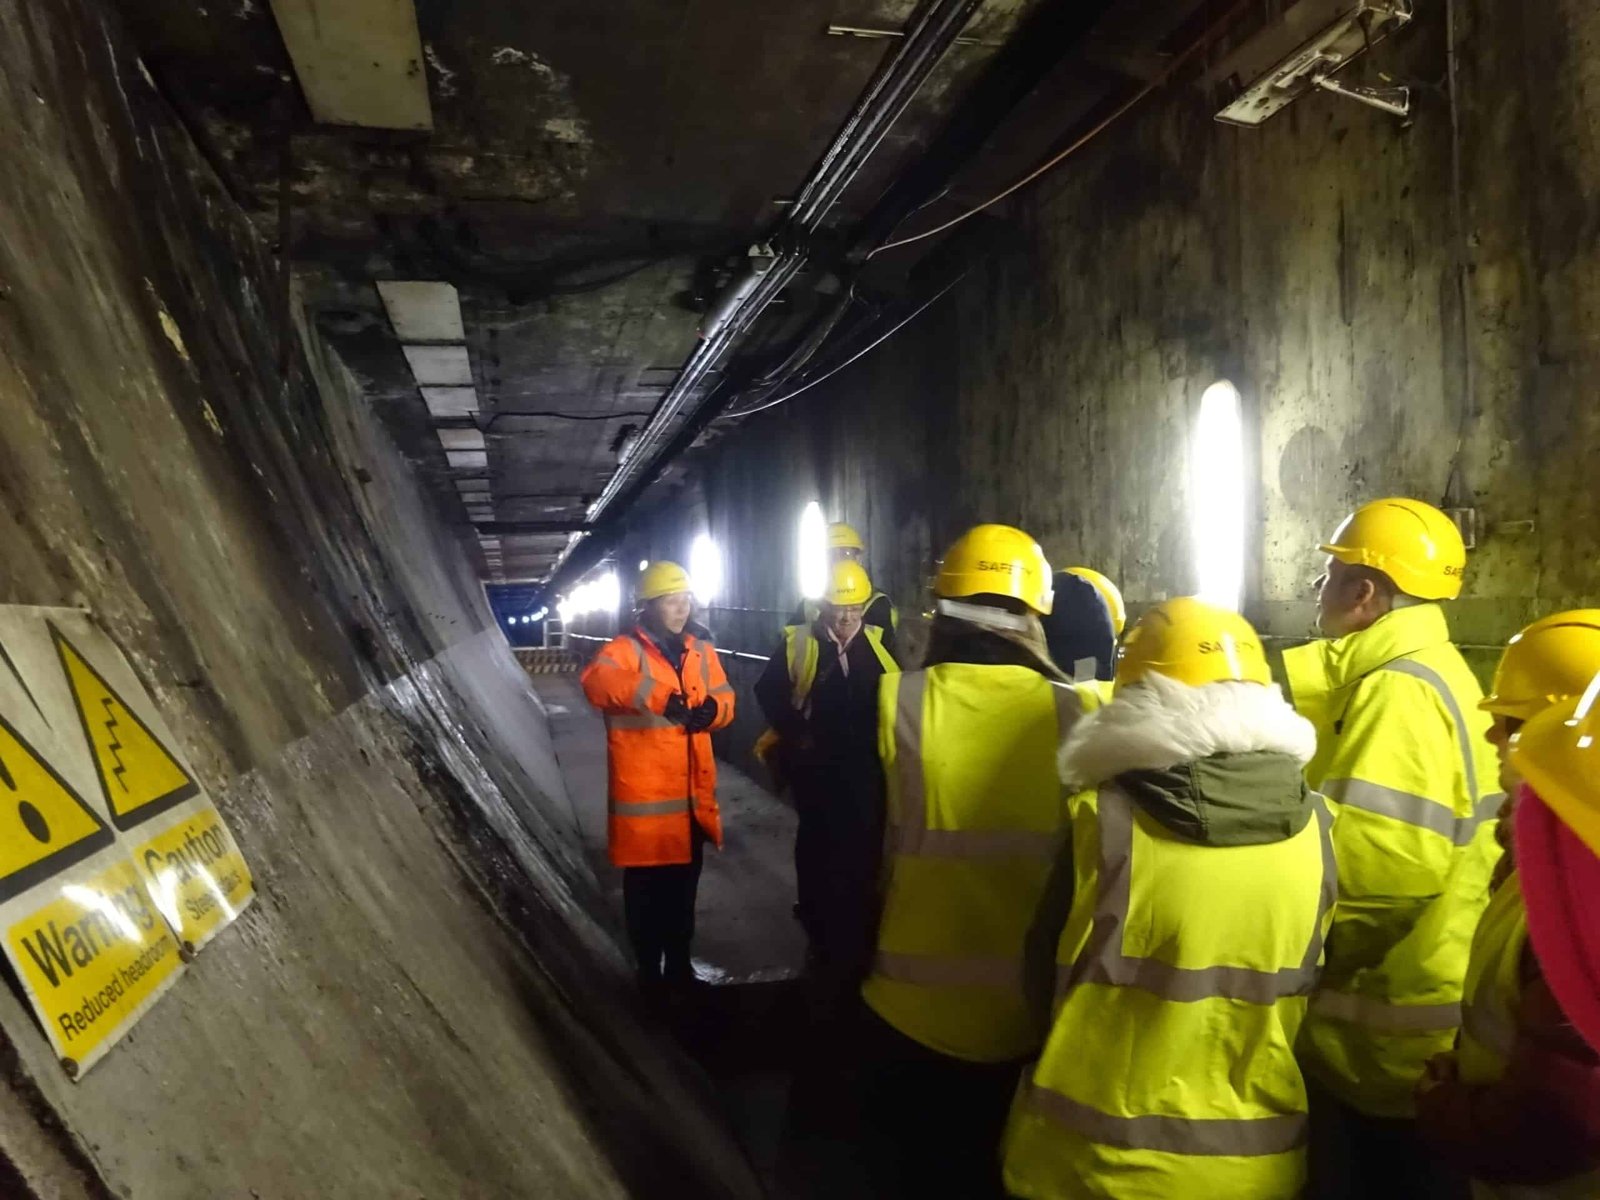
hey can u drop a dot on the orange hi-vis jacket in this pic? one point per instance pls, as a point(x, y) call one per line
point(659, 772)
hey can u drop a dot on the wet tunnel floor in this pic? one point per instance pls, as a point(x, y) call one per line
point(747, 1025)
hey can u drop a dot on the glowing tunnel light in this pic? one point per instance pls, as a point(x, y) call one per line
point(705, 568)
point(1217, 497)
point(813, 552)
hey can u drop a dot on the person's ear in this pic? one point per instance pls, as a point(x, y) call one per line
point(1366, 593)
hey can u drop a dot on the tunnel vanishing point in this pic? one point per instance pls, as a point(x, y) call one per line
point(356, 354)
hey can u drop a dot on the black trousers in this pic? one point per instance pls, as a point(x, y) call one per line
point(1357, 1157)
point(837, 851)
point(658, 908)
point(932, 1122)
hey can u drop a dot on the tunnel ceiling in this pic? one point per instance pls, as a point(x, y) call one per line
point(592, 177)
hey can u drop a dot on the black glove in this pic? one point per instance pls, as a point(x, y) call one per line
point(703, 716)
point(676, 711)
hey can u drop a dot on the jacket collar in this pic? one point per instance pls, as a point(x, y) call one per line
point(1317, 670)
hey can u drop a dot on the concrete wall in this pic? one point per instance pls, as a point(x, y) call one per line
point(1312, 262)
point(425, 999)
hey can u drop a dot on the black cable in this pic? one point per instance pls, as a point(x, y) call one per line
point(560, 416)
point(870, 346)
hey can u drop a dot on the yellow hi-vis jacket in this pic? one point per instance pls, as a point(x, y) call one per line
point(976, 814)
point(1402, 757)
point(1489, 1010)
point(1183, 976)
point(802, 652)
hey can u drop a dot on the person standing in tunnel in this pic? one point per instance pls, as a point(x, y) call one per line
point(1516, 1106)
point(1403, 759)
point(845, 545)
point(662, 691)
point(1181, 932)
point(1082, 628)
point(819, 693)
point(975, 813)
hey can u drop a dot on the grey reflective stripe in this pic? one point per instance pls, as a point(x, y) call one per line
point(1433, 679)
point(647, 685)
point(706, 655)
point(1405, 807)
point(1069, 707)
point(1489, 806)
point(1383, 1017)
point(648, 808)
point(938, 970)
point(1486, 1021)
point(646, 720)
point(606, 658)
point(1243, 1137)
point(912, 818)
point(987, 843)
point(1104, 962)
point(722, 689)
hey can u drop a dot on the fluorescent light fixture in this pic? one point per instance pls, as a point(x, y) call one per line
point(813, 552)
point(450, 401)
point(460, 439)
point(643, 563)
point(1217, 497)
point(423, 311)
point(705, 568)
point(467, 460)
point(439, 366)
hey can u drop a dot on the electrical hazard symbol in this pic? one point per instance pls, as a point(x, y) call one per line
point(44, 826)
point(139, 775)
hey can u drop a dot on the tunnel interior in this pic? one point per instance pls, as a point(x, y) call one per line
point(355, 358)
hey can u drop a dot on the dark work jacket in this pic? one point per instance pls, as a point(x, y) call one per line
point(842, 725)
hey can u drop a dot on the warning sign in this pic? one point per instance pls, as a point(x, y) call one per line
point(115, 867)
point(140, 777)
point(92, 958)
point(44, 826)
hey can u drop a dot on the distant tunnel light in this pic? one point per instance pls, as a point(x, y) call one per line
point(1217, 497)
point(705, 568)
point(813, 552)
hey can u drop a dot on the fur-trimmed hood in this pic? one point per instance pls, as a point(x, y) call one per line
point(1220, 764)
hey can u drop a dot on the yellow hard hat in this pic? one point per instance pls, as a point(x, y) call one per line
point(996, 560)
point(1558, 754)
point(844, 537)
point(663, 579)
point(1195, 643)
point(848, 584)
point(1412, 543)
point(1109, 592)
point(1547, 662)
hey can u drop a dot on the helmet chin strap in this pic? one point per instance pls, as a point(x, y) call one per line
point(984, 616)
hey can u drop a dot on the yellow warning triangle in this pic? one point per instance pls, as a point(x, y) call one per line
point(44, 826)
point(140, 776)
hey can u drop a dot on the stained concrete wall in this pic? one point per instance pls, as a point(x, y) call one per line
point(1312, 262)
point(425, 1000)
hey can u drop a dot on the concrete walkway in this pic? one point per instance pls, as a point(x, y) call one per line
point(745, 928)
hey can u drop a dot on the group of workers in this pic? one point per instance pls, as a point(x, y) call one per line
point(1099, 911)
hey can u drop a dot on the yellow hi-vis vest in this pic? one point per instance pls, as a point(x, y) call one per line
point(1183, 977)
point(802, 651)
point(1402, 758)
point(1489, 1027)
point(976, 814)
